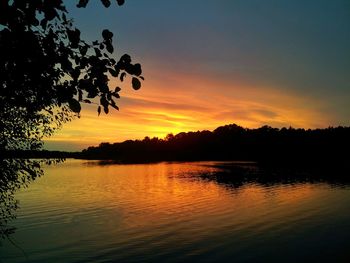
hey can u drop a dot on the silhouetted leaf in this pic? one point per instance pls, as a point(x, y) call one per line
point(106, 3)
point(125, 59)
point(106, 34)
point(117, 69)
point(35, 22)
point(136, 84)
point(75, 73)
point(74, 105)
point(122, 76)
point(113, 72)
point(120, 2)
point(83, 50)
point(109, 47)
point(74, 37)
point(117, 89)
point(43, 23)
point(97, 52)
point(104, 101)
point(105, 109)
point(137, 69)
point(82, 3)
point(50, 13)
point(115, 106)
point(99, 110)
point(87, 101)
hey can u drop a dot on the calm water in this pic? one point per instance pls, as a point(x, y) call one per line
point(169, 212)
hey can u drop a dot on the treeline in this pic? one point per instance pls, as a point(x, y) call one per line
point(232, 142)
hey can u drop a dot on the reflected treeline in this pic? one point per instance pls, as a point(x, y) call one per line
point(231, 142)
point(15, 174)
point(238, 174)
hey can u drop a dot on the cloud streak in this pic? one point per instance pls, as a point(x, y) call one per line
point(153, 112)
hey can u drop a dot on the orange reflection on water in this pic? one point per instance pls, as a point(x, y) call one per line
point(152, 209)
point(166, 192)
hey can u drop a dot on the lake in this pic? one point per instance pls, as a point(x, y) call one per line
point(84, 211)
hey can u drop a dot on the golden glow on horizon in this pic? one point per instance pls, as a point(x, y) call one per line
point(188, 104)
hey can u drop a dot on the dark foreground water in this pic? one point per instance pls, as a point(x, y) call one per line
point(177, 212)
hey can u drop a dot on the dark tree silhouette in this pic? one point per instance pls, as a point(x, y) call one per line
point(46, 72)
point(232, 142)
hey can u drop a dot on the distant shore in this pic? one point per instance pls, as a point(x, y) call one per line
point(225, 143)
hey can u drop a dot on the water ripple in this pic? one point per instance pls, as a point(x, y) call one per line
point(171, 212)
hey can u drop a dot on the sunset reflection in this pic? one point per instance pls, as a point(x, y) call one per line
point(125, 211)
point(167, 190)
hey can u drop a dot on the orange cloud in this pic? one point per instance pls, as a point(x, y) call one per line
point(174, 102)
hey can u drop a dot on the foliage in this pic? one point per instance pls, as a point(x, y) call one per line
point(47, 70)
point(15, 173)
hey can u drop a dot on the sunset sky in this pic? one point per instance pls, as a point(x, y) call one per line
point(210, 63)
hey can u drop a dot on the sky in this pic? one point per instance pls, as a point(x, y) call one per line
point(209, 63)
